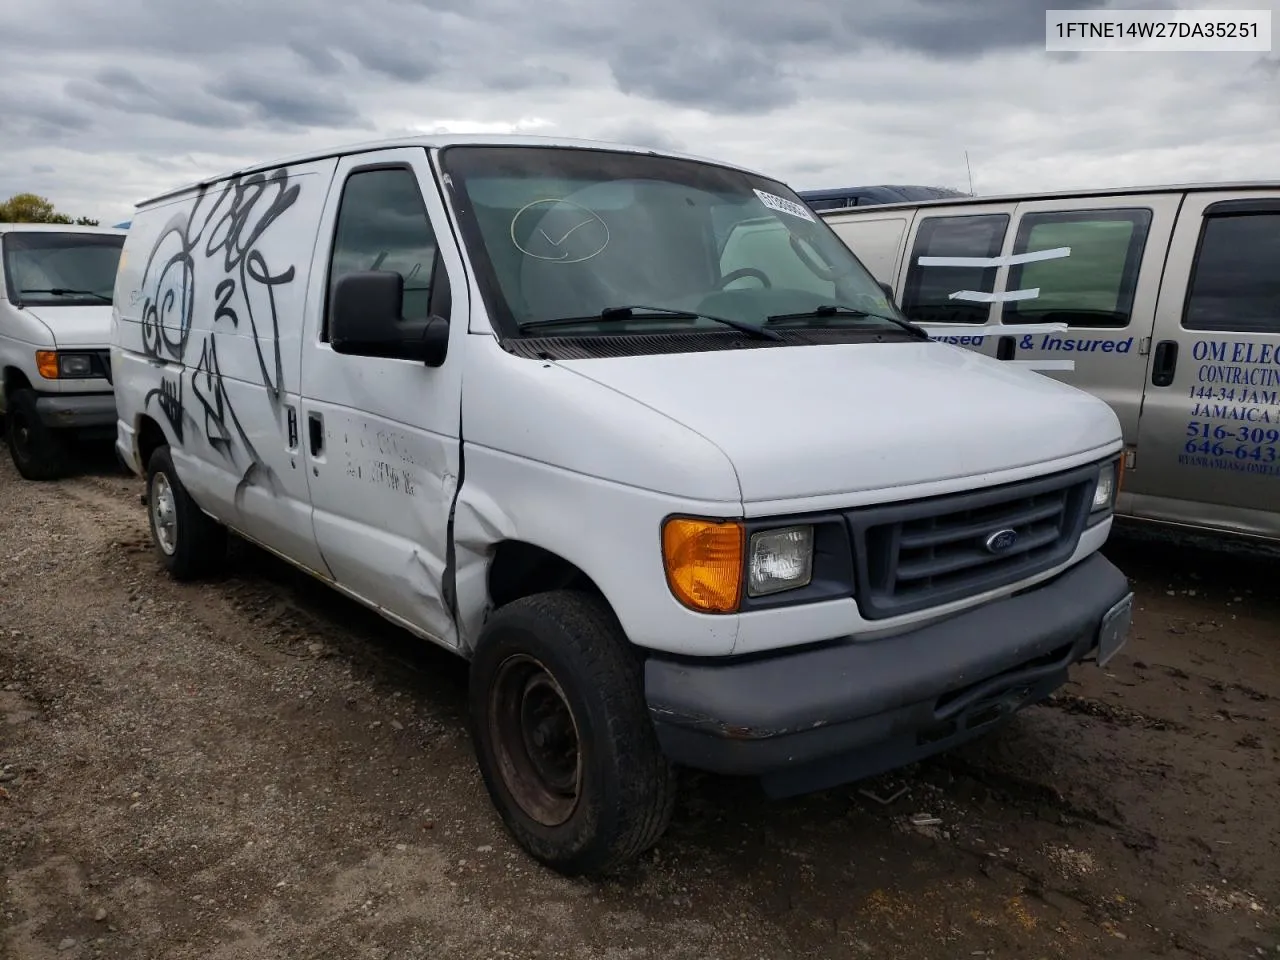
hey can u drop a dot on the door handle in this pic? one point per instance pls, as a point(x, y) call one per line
point(1006, 348)
point(315, 432)
point(1164, 363)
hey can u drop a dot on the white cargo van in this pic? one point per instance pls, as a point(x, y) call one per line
point(55, 324)
point(1170, 302)
point(684, 491)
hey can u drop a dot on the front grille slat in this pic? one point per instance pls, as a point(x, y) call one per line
point(955, 561)
point(925, 553)
point(975, 528)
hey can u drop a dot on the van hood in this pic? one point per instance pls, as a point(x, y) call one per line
point(836, 419)
point(78, 326)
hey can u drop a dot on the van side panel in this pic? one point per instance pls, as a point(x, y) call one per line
point(876, 241)
point(144, 357)
point(210, 301)
point(381, 436)
point(1209, 432)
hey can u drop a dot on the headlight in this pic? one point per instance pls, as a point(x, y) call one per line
point(1104, 494)
point(74, 365)
point(54, 365)
point(779, 560)
point(728, 566)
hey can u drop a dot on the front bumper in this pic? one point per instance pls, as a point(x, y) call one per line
point(812, 719)
point(77, 410)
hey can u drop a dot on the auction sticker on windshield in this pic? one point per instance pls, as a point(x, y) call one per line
point(785, 206)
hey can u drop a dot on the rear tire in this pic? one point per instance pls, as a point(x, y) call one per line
point(563, 737)
point(38, 451)
point(188, 541)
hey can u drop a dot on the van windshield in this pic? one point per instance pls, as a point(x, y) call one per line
point(570, 235)
point(45, 268)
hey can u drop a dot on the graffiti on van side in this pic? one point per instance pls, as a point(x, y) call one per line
point(168, 398)
point(219, 415)
point(215, 240)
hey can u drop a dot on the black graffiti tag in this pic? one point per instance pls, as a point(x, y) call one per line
point(249, 206)
point(213, 237)
point(168, 397)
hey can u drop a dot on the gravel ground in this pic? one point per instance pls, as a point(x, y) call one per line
point(255, 767)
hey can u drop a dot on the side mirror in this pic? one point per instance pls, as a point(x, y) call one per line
point(367, 321)
point(888, 290)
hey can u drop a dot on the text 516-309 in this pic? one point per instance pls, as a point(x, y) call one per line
point(1244, 443)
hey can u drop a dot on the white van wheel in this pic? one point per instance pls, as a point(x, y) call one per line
point(189, 542)
point(38, 451)
point(562, 734)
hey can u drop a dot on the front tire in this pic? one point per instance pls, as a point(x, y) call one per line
point(188, 541)
point(38, 451)
point(563, 737)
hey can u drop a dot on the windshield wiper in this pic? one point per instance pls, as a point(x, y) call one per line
point(67, 292)
point(838, 310)
point(635, 311)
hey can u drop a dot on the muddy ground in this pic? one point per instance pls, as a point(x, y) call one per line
point(256, 768)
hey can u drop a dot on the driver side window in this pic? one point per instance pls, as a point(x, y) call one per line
point(383, 225)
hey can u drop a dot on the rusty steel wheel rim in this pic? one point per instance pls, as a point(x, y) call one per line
point(535, 740)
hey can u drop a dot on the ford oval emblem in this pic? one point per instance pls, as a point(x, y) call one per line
point(1000, 541)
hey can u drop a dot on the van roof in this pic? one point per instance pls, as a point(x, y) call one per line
point(54, 228)
point(439, 142)
point(1196, 187)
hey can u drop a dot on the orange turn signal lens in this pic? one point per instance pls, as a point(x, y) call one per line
point(47, 364)
point(703, 560)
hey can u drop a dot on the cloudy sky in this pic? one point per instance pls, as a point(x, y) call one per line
point(103, 104)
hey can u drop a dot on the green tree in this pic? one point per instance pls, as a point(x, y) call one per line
point(31, 208)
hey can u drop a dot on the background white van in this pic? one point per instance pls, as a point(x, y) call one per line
point(56, 284)
point(1170, 299)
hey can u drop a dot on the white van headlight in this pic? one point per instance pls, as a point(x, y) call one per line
point(780, 559)
point(60, 365)
point(72, 365)
point(1104, 494)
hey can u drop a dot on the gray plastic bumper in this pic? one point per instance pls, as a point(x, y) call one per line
point(820, 716)
point(77, 410)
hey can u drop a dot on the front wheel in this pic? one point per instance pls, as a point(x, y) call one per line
point(38, 451)
point(189, 542)
point(563, 736)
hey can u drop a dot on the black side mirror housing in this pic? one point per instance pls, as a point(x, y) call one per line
point(888, 290)
point(367, 321)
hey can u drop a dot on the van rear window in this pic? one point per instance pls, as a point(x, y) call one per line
point(1091, 287)
point(1235, 284)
